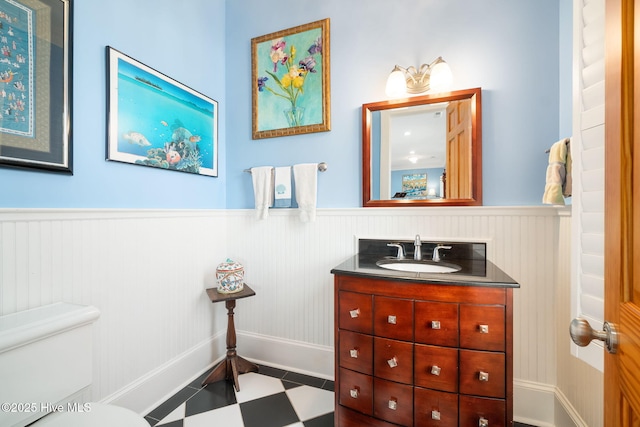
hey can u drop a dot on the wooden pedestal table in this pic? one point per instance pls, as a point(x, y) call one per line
point(233, 364)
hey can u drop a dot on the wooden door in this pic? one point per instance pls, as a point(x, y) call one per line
point(622, 212)
point(458, 165)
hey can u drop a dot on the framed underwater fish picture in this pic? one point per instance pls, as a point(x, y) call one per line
point(35, 84)
point(156, 121)
point(291, 81)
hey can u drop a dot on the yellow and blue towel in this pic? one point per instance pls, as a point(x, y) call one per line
point(558, 181)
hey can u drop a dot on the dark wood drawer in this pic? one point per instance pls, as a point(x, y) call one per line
point(482, 327)
point(422, 354)
point(393, 402)
point(356, 351)
point(423, 291)
point(345, 417)
point(474, 409)
point(356, 312)
point(436, 323)
point(393, 360)
point(435, 408)
point(393, 318)
point(482, 373)
point(356, 391)
point(436, 367)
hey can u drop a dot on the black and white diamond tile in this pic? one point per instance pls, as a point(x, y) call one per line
point(271, 398)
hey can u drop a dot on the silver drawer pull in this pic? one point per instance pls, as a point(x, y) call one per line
point(435, 415)
point(391, 319)
point(484, 329)
point(435, 324)
point(483, 422)
point(354, 393)
point(483, 376)
point(354, 313)
point(393, 404)
point(435, 370)
point(353, 353)
point(393, 362)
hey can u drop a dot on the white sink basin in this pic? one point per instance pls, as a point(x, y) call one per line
point(414, 266)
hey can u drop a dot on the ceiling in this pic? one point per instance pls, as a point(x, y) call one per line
point(418, 133)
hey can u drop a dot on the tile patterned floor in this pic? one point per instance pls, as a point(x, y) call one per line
point(270, 398)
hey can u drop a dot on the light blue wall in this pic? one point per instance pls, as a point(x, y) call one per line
point(185, 42)
point(509, 48)
point(565, 53)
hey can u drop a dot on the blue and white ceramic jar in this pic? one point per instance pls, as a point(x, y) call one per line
point(230, 277)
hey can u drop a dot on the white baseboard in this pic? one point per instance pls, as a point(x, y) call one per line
point(295, 356)
point(152, 389)
point(566, 414)
point(533, 403)
point(543, 405)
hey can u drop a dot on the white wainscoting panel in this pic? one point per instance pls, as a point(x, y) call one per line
point(578, 382)
point(288, 263)
point(147, 270)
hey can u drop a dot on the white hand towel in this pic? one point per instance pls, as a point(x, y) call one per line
point(262, 177)
point(306, 180)
point(282, 187)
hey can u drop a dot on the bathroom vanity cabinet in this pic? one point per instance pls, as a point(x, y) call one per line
point(422, 353)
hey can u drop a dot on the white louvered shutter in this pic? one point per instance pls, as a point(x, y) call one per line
point(588, 156)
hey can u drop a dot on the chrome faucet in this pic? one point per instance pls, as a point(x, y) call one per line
point(436, 253)
point(417, 253)
point(400, 254)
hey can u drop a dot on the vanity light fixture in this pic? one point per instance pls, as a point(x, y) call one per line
point(435, 76)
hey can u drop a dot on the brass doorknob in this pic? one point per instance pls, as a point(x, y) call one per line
point(582, 334)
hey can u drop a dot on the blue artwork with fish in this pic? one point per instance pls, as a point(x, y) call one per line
point(16, 69)
point(163, 124)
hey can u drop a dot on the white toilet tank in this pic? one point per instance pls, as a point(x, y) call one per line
point(45, 359)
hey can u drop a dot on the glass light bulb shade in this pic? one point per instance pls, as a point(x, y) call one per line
point(396, 84)
point(441, 78)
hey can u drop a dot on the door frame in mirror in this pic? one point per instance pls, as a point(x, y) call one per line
point(476, 148)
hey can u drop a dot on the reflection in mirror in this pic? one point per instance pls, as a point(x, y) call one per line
point(412, 152)
point(423, 151)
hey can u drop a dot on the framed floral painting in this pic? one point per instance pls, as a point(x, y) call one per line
point(291, 79)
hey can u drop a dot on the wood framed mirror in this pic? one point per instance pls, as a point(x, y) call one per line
point(423, 151)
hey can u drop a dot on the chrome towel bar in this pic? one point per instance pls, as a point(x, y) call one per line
point(321, 167)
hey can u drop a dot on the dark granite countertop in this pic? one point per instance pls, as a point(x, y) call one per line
point(474, 271)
